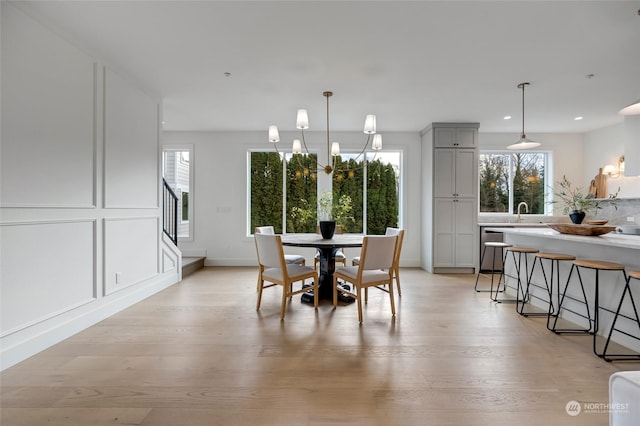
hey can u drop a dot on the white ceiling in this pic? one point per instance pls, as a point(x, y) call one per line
point(410, 63)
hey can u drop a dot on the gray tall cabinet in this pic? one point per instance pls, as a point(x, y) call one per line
point(450, 197)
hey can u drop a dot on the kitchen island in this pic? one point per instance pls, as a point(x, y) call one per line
point(610, 247)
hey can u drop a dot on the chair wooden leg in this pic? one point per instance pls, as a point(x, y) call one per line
point(284, 302)
point(260, 287)
point(335, 291)
point(359, 292)
point(396, 274)
point(393, 304)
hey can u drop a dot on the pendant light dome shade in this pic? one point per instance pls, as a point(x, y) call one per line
point(524, 142)
point(633, 109)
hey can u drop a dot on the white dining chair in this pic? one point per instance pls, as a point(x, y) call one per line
point(375, 270)
point(289, 258)
point(396, 265)
point(273, 268)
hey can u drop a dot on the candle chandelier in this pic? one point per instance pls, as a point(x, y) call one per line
point(333, 148)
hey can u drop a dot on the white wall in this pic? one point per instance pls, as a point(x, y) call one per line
point(220, 203)
point(605, 146)
point(80, 191)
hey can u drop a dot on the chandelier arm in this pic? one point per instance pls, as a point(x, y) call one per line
point(364, 148)
point(304, 143)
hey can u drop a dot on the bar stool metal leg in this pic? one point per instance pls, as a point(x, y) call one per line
point(627, 289)
point(554, 327)
point(518, 266)
point(494, 246)
point(520, 303)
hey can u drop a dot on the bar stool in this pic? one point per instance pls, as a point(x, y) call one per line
point(555, 259)
point(627, 289)
point(597, 266)
point(518, 265)
point(494, 245)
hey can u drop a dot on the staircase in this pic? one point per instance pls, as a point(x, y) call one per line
point(191, 265)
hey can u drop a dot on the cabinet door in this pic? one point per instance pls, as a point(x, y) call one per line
point(466, 173)
point(465, 231)
point(444, 172)
point(466, 137)
point(444, 233)
point(444, 137)
point(455, 137)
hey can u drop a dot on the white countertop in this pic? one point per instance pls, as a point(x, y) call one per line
point(514, 224)
point(610, 239)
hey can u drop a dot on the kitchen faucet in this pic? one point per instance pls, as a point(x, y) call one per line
point(526, 209)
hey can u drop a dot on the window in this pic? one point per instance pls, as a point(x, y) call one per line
point(289, 195)
point(508, 179)
point(177, 170)
point(185, 206)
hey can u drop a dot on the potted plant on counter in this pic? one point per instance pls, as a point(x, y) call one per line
point(576, 203)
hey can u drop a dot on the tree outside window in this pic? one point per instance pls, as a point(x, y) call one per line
point(299, 202)
point(507, 179)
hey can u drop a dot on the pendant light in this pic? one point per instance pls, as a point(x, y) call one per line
point(333, 148)
point(524, 142)
point(633, 109)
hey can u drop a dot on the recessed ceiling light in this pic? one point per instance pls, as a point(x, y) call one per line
point(578, 118)
point(507, 117)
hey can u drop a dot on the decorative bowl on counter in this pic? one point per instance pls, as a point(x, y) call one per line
point(588, 230)
point(597, 222)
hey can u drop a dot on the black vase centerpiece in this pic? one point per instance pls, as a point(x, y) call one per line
point(577, 216)
point(327, 228)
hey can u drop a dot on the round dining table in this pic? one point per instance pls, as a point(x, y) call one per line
point(327, 250)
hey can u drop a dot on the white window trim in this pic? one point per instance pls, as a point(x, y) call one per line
point(192, 183)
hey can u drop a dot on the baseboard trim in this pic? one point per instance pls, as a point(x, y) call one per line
point(22, 345)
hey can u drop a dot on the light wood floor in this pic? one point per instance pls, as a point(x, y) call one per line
point(199, 354)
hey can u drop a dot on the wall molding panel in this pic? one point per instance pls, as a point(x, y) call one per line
point(80, 217)
point(46, 84)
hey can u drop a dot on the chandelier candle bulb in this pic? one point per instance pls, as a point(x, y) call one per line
point(297, 147)
point(302, 120)
point(335, 149)
point(370, 124)
point(377, 141)
point(274, 136)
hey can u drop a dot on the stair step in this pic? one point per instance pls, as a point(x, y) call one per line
point(191, 264)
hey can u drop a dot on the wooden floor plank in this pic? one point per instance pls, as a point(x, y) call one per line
point(198, 353)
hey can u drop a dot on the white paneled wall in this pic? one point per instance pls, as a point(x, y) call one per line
point(131, 154)
point(48, 285)
point(131, 238)
point(80, 227)
point(46, 84)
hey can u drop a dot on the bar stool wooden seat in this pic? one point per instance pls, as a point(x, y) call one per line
point(555, 259)
point(627, 290)
point(518, 265)
point(597, 266)
point(494, 246)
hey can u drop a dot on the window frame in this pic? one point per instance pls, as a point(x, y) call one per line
point(177, 148)
point(548, 194)
point(369, 154)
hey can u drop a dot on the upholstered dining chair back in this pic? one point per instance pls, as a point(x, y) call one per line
point(265, 230)
point(378, 252)
point(270, 252)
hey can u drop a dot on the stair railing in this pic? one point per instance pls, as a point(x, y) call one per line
point(170, 212)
